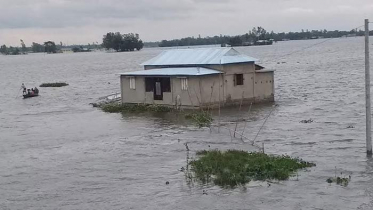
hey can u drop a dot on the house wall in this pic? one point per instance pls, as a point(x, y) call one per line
point(239, 92)
point(139, 95)
point(167, 98)
point(260, 90)
point(264, 86)
point(235, 93)
point(133, 96)
point(202, 90)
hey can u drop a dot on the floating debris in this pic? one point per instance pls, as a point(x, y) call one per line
point(55, 84)
point(118, 108)
point(343, 181)
point(306, 121)
point(186, 146)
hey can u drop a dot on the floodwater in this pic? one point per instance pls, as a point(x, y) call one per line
point(57, 152)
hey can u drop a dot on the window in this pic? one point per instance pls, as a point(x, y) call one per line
point(184, 83)
point(149, 84)
point(238, 79)
point(166, 84)
point(132, 83)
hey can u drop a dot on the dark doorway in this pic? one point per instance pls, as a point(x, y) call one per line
point(158, 85)
point(158, 92)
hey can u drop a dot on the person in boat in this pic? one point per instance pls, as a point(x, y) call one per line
point(23, 87)
point(36, 90)
point(32, 91)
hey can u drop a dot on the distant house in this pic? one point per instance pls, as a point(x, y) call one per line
point(198, 77)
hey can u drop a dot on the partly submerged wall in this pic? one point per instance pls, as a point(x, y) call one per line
point(206, 90)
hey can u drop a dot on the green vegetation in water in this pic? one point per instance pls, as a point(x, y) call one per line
point(200, 118)
point(338, 180)
point(343, 181)
point(233, 167)
point(55, 84)
point(118, 108)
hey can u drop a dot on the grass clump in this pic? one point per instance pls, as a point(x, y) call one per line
point(55, 84)
point(129, 108)
point(201, 118)
point(343, 181)
point(234, 167)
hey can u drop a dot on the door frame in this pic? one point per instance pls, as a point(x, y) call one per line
point(155, 96)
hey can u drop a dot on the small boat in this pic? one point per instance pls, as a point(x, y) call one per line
point(31, 93)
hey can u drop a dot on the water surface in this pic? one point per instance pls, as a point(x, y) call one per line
point(57, 152)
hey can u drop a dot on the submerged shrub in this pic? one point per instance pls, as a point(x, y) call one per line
point(55, 84)
point(200, 118)
point(117, 108)
point(234, 167)
point(343, 181)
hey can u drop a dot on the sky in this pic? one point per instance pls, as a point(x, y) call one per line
point(86, 21)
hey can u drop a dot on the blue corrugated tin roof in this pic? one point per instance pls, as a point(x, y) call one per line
point(194, 71)
point(199, 56)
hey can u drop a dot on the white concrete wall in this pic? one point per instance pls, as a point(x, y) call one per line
point(202, 90)
point(133, 96)
point(194, 96)
point(256, 87)
point(264, 86)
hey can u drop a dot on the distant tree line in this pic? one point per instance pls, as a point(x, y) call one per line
point(122, 42)
point(256, 34)
point(47, 47)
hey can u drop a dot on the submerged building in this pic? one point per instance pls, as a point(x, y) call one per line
point(198, 78)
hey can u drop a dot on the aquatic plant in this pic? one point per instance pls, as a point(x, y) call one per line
point(234, 167)
point(200, 118)
point(55, 84)
point(343, 181)
point(306, 121)
point(131, 108)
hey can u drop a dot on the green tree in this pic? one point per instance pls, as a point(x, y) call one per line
point(122, 42)
point(50, 47)
point(107, 41)
point(23, 47)
point(235, 41)
point(259, 32)
point(35, 47)
point(4, 50)
point(13, 51)
point(77, 49)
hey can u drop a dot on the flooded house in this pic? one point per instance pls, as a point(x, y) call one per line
point(198, 77)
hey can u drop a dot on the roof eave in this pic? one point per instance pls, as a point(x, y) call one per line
point(167, 75)
point(265, 70)
point(199, 64)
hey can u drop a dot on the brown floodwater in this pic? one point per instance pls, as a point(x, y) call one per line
point(57, 152)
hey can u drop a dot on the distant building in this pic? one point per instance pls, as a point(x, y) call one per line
point(198, 77)
point(66, 50)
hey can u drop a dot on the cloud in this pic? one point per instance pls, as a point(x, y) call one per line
point(297, 11)
point(64, 13)
point(76, 21)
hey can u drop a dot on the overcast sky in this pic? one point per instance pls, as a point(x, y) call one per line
point(85, 21)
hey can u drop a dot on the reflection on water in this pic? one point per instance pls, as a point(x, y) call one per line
point(57, 152)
